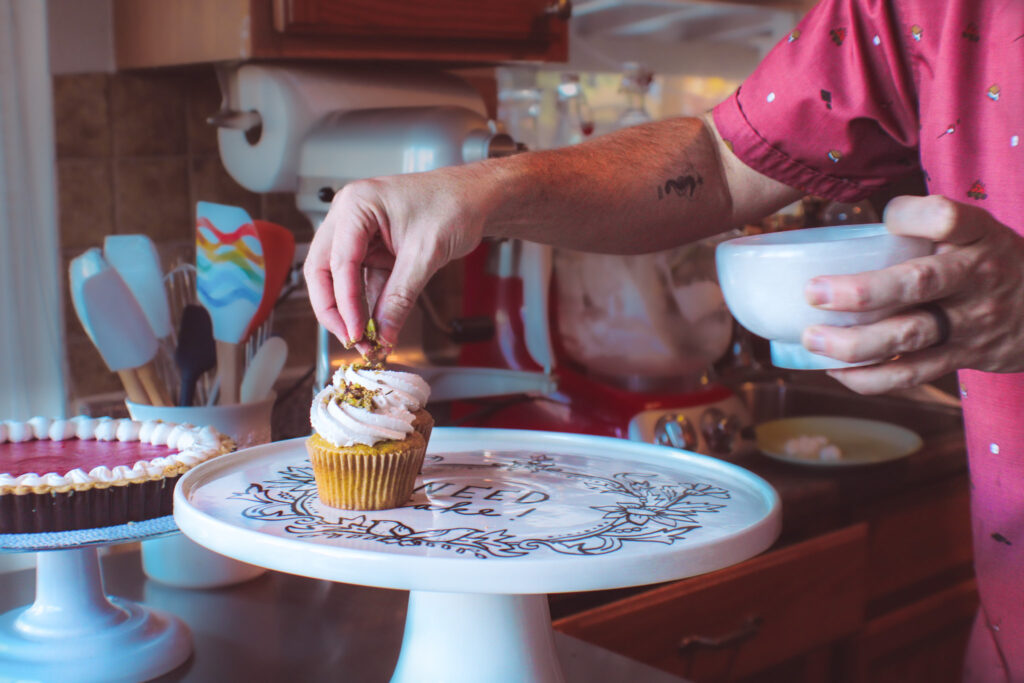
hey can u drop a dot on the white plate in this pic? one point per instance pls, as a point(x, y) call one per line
point(861, 442)
point(495, 511)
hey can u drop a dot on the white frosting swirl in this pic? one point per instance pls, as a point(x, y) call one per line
point(61, 430)
point(405, 389)
point(40, 426)
point(18, 432)
point(193, 445)
point(343, 424)
point(85, 426)
point(106, 429)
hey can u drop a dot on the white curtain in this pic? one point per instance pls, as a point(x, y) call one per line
point(32, 365)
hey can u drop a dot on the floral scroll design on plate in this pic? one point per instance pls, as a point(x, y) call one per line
point(638, 511)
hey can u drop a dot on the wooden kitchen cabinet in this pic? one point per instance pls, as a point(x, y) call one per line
point(732, 623)
point(924, 641)
point(159, 33)
point(890, 597)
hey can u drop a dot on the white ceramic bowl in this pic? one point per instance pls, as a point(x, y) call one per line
point(763, 279)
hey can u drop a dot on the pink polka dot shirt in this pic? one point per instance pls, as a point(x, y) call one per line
point(862, 93)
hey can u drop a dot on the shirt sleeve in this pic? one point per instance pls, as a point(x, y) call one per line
point(832, 108)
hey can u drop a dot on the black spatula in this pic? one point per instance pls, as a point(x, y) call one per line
point(196, 352)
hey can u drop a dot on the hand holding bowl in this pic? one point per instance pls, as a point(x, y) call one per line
point(763, 278)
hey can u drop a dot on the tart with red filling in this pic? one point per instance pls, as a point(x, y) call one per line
point(58, 475)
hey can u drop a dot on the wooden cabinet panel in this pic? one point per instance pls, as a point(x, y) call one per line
point(766, 610)
point(924, 641)
point(918, 537)
point(161, 33)
point(440, 19)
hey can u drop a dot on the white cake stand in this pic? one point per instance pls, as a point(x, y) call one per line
point(499, 519)
point(74, 632)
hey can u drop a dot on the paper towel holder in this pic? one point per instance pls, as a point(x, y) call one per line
point(228, 116)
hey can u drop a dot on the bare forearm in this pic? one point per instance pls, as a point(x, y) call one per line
point(637, 190)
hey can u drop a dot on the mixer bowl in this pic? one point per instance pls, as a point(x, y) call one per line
point(636, 320)
point(763, 279)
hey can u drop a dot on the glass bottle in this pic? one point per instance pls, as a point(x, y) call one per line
point(636, 82)
point(575, 122)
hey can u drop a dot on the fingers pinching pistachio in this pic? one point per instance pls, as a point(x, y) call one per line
point(371, 346)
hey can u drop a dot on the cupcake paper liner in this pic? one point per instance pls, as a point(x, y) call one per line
point(366, 478)
point(423, 423)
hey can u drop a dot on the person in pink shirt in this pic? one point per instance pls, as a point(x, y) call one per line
point(859, 95)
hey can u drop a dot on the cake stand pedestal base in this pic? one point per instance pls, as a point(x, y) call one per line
point(470, 637)
point(74, 633)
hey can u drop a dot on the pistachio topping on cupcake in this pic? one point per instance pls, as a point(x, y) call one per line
point(348, 413)
point(395, 388)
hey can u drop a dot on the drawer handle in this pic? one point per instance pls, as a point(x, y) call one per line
point(750, 628)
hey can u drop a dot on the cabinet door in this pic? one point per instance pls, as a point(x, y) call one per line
point(440, 27)
point(162, 33)
point(740, 620)
point(916, 538)
point(439, 19)
point(924, 641)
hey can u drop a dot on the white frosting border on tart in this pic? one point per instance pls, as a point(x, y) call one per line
point(193, 444)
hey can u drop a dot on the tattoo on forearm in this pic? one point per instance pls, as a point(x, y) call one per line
point(683, 186)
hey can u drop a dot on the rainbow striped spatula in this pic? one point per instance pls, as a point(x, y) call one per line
point(230, 278)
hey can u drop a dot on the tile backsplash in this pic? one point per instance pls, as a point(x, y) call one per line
point(134, 155)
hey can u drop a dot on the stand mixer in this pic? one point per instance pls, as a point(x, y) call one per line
point(312, 129)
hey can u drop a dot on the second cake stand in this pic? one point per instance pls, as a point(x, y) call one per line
point(73, 632)
point(499, 519)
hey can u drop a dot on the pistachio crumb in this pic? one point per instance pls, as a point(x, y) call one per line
point(356, 395)
point(365, 364)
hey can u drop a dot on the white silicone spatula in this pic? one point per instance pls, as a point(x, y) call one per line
point(135, 259)
point(263, 370)
point(230, 276)
point(116, 325)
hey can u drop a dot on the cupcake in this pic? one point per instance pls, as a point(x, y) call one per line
point(365, 450)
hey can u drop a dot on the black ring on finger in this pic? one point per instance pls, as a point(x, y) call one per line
point(942, 324)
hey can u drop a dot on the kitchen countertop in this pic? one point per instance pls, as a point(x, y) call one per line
point(819, 500)
point(280, 627)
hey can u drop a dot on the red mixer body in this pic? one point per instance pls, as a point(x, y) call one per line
point(581, 403)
